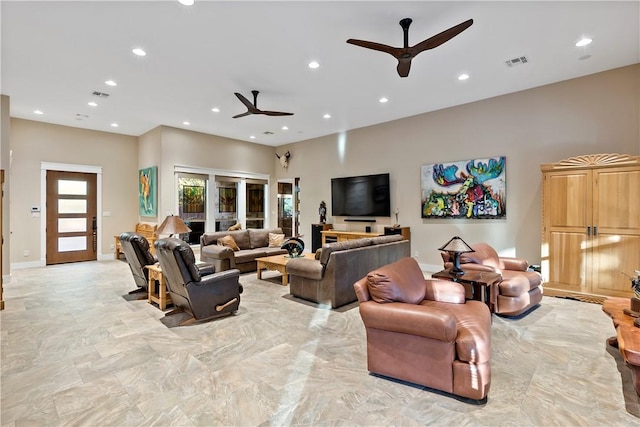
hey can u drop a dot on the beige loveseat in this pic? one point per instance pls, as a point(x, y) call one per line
point(329, 280)
point(252, 244)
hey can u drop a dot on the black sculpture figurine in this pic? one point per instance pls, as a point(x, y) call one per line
point(323, 212)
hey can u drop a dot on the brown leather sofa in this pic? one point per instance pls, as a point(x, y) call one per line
point(197, 290)
point(519, 290)
point(138, 254)
point(252, 243)
point(423, 331)
point(329, 279)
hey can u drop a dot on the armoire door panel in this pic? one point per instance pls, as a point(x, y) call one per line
point(568, 200)
point(612, 256)
point(617, 200)
point(568, 261)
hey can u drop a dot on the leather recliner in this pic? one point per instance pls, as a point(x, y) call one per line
point(517, 292)
point(199, 291)
point(138, 254)
point(424, 332)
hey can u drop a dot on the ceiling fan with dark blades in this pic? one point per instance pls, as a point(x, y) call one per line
point(253, 108)
point(405, 54)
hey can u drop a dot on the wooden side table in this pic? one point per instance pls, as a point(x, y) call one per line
point(483, 284)
point(162, 298)
point(627, 337)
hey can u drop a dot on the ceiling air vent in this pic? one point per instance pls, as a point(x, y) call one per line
point(267, 132)
point(81, 116)
point(517, 61)
point(100, 94)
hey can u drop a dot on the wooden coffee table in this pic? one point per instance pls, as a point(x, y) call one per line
point(482, 283)
point(627, 337)
point(278, 263)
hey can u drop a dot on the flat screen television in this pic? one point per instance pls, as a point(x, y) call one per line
point(361, 196)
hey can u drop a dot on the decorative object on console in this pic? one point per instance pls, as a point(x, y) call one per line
point(405, 54)
point(172, 225)
point(466, 189)
point(284, 159)
point(456, 246)
point(148, 191)
point(322, 211)
point(236, 226)
point(396, 211)
point(634, 310)
point(294, 247)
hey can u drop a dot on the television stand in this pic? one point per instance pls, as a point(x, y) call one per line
point(341, 236)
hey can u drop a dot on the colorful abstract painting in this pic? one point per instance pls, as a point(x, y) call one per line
point(465, 189)
point(148, 191)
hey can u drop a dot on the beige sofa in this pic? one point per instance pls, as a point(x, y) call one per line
point(329, 279)
point(252, 244)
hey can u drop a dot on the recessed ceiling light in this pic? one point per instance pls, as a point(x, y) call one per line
point(327, 116)
point(37, 112)
point(92, 104)
point(114, 125)
point(186, 123)
point(139, 52)
point(463, 76)
point(215, 109)
point(285, 128)
point(585, 41)
point(383, 100)
point(252, 137)
point(111, 83)
point(313, 65)
point(186, 2)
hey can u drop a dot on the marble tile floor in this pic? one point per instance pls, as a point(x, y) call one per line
point(76, 353)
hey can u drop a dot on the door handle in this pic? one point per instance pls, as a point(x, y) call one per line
point(595, 230)
point(588, 230)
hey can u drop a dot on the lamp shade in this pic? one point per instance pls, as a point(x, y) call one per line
point(172, 225)
point(456, 246)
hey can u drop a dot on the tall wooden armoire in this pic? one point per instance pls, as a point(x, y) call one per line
point(591, 225)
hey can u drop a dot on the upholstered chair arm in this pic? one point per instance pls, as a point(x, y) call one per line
point(444, 291)
point(304, 267)
point(515, 264)
point(362, 290)
point(410, 319)
point(219, 252)
point(206, 269)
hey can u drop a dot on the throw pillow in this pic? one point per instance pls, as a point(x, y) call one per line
point(276, 240)
point(236, 226)
point(228, 242)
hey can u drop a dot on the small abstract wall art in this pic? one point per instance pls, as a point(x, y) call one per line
point(148, 191)
point(465, 189)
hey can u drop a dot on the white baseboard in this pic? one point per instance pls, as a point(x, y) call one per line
point(27, 264)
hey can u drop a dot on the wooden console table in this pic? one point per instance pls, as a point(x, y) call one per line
point(341, 236)
point(627, 337)
point(483, 284)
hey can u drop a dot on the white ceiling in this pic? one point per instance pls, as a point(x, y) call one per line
point(55, 54)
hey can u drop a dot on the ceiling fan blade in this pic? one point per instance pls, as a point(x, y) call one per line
point(275, 113)
point(243, 114)
point(403, 67)
point(245, 101)
point(375, 46)
point(441, 38)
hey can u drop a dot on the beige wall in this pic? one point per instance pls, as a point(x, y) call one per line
point(593, 114)
point(35, 142)
point(5, 159)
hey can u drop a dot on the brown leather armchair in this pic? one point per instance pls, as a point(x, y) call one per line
point(519, 289)
point(138, 254)
point(423, 331)
point(199, 291)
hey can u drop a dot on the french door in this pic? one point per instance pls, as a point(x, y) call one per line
point(71, 217)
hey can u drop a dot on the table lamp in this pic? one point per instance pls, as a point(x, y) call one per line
point(172, 225)
point(456, 246)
